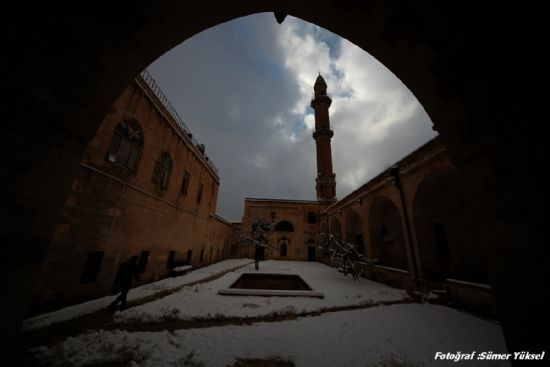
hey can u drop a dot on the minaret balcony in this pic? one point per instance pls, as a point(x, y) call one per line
point(323, 132)
point(323, 180)
point(323, 99)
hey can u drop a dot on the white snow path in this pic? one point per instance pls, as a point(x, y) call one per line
point(145, 290)
point(202, 301)
point(396, 335)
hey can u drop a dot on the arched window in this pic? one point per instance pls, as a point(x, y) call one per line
point(311, 217)
point(284, 226)
point(126, 144)
point(161, 174)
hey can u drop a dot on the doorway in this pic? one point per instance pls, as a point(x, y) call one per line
point(311, 252)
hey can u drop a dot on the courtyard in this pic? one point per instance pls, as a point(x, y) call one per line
point(183, 321)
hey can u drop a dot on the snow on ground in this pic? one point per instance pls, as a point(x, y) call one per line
point(202, 301)
point(396, 335)
point(146, 290)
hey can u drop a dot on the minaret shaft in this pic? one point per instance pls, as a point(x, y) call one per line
point(326, 179)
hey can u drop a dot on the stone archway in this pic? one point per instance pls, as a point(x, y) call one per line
point(282, 233)
point(386, 233)
point(66, 71)
point(354, 230)
point(443, 232)
point(335, 227)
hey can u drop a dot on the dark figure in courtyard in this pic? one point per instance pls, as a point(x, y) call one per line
point(127, 271)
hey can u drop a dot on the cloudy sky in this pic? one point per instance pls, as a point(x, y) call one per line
point(243, 88)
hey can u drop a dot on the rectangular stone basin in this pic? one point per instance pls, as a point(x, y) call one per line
point(270, 284)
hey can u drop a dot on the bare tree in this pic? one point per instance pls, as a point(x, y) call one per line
point(259, 238)
point(343, 255)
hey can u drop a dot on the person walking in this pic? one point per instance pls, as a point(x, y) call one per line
point(127, 271)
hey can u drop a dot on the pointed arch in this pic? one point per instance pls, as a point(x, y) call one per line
point(443, 232)
point(354, 230)
point(386, 233)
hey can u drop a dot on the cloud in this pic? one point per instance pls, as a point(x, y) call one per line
point(244, 89)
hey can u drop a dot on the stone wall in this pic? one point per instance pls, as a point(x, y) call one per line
point(114, 212)
point(305, 226)
point(441, 243)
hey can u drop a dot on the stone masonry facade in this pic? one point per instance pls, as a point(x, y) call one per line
point(117, 209)
point(130, 199)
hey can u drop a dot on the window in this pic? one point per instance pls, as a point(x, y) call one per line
point(142, 264)
point(91, 268)
point(185, 182)
point(199, 193)
point(171, 258)
point(126, 144)
point(163, 167)
point(311, 218)
point(202, 255)
point(284, 226)
point(189, 256)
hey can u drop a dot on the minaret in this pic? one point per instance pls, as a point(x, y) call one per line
point(325, 183)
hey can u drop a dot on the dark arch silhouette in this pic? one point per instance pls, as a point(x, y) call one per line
point(66, 72)
point(284, 226)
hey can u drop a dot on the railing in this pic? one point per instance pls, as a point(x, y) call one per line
point(172, 111)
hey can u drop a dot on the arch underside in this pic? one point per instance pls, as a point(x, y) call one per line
point(386, 234)
point(478, 78)
point(443, 232)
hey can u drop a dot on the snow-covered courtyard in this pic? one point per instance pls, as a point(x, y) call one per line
point(357, 323)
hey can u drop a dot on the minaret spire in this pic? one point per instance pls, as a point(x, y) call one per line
point(325, 183)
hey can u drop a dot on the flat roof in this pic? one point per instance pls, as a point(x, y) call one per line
point(282, 200)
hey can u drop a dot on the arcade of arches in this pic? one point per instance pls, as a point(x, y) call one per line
point(480, 79)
